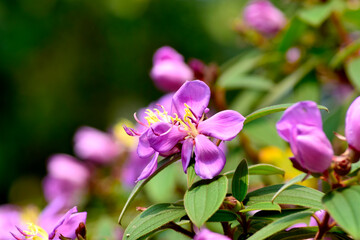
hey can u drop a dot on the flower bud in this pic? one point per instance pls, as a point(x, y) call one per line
point(264, 17)
point(301, 126)
point(169, 71)
point(352, 125)
point(342, 167)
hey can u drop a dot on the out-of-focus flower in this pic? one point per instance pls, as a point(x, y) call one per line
point(301, 126)
point(206, 234)
point(264, 17)
point(293, 55)
point(169, 70)
point(276, 156)
point(96, 146)
point(352, 125)
point(66, 177)
point(50, 224)
point(186, 125)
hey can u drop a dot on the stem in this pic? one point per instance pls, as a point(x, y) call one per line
point(323, 227)
point(344, 36)
point(179, 229)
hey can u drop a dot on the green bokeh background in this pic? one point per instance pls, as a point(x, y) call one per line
point(68, 63)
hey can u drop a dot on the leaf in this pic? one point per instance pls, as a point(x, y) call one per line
point(260, 169)
point(245, 101)
point(161, 166)
point(204, 198)
point(152, 219)
point(262, 206)
point(308, 232)
point(191, 175)
point(343, 206)
point(247, 82)
point(240, 181)
point(222, 216)
point(293, 32)
point(352, 69)
point(272, 109)
point(316, 15)
point(295, 195)
point(293, 181)
point(344, 53)
point(288, 83)
point(279, 225)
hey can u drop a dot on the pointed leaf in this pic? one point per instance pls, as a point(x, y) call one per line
point(353, 72)
point(295, 195)
point(204, 198)
point(240, 181)
point(152, 219)
point(280, 224)
point(269, 206)
point(222, 216)
point(161, 166)
point(272, 109)
point(260, 169)
point(343, 206)
point(293, 181)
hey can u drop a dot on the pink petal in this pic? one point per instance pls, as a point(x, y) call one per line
point(196, 94)
point(305, 113)
point(144, 150)
point(352, 124)
point(186, 152)
point(209, 159)
point(224, 125)
point(150, 168)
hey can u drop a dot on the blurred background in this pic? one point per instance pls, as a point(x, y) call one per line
point(69, 63)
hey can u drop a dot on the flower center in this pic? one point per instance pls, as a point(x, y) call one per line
point(35, 232)
point(154, 116)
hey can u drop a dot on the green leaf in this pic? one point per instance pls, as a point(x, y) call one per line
point(247, 82)
point(222, 216)
point(288, 83)
point(269, 206)
point(260, 169)
point(295, 195)
point(272, 109)
point(353, 72)
point(245, 101)
point(191, 175)
point(280, 224)
point(204, 198)
point(316, 15)
point(344, 53)
point(161, 166)
point(152, 219)
point(293, 33)
point(343, 206)
point(308, 232)
point(240, 181)
point(293, 181)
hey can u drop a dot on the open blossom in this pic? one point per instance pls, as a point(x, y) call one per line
point(50, 224)
point(169, 70)
point(301, 126)
point(352, 125)
point(186, 128)
point(206, 234)
point(264, 17)
point(96, 146)
point(66, 177)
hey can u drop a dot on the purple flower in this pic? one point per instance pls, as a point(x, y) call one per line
point(169, 71)
point(51, 224)
point(94, 145)
point(264, 17)
point(301, 126)
point(187, 129)
point(352, 125)
point(205, 234)
point(66, 177)
point(10, 217)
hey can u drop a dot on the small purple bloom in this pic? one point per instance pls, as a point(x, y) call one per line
point(187, 129)
point(66, 177)
point(352, 125)
point(301, 126)
point(94, 145)
point(206, 234)
point(264, 17)
point(169, 71)
point(293, 54)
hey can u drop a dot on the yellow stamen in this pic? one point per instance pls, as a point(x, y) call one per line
point(36, 232)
